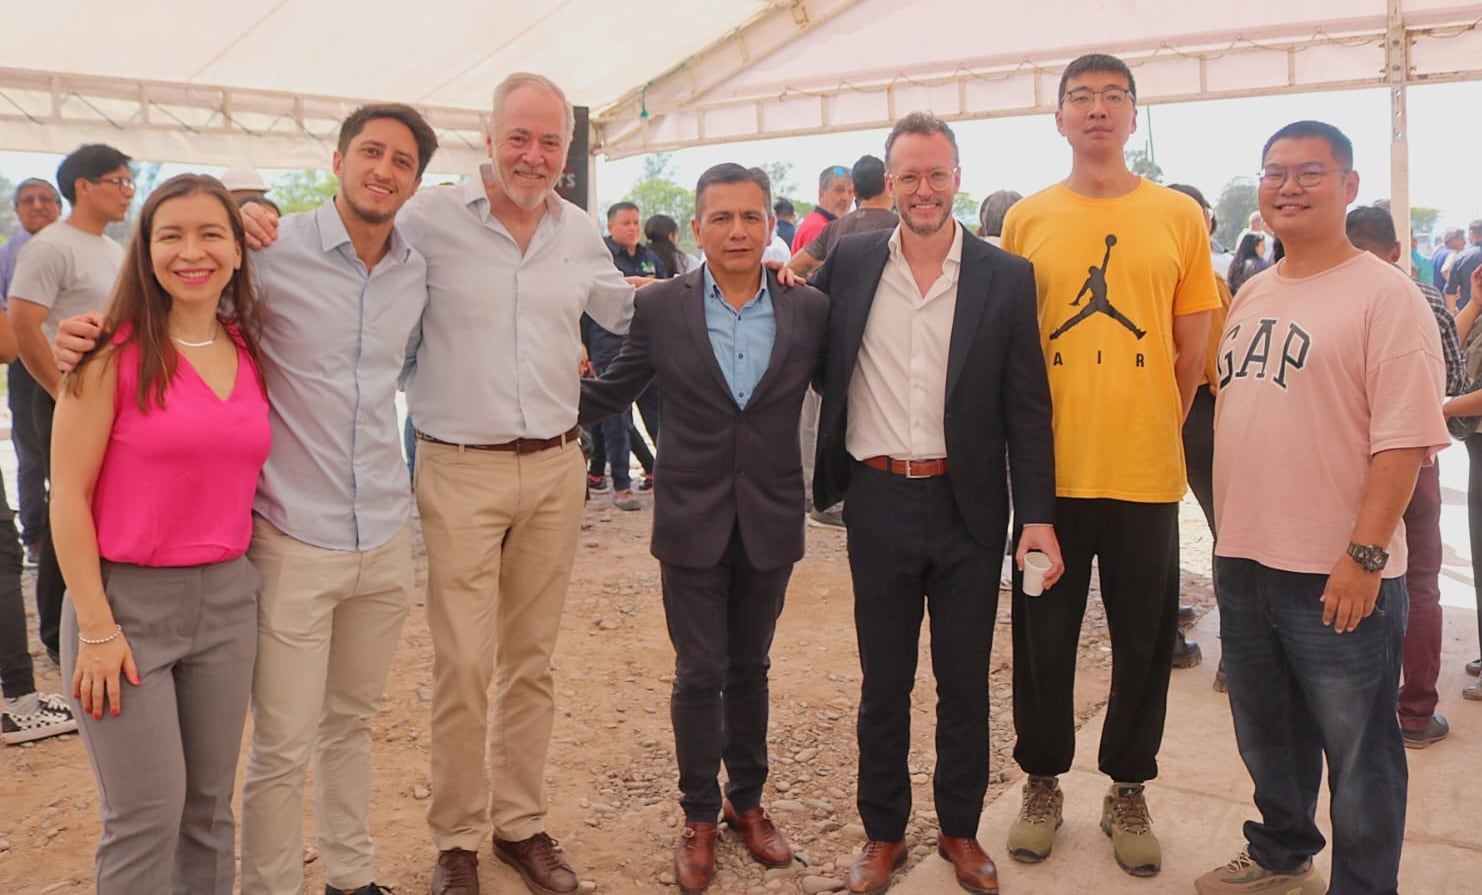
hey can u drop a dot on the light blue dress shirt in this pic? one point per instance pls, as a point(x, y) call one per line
point(335, 338)
point(742, 340)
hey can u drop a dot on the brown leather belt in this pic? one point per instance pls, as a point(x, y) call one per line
point(911, 469)
point(517, 446)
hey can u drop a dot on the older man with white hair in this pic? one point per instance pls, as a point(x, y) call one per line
point(500, 479)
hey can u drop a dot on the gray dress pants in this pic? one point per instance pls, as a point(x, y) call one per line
point(165, 765)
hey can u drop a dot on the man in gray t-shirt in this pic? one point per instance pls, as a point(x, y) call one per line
point(65, 270)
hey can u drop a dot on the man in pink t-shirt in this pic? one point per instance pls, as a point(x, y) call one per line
point(1331, 379)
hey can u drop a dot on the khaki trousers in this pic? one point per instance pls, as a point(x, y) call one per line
point(501, 531)
point(328, 624)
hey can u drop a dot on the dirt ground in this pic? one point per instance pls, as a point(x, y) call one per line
point(611, 774)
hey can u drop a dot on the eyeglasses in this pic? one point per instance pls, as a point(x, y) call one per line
point(940, 179)
point(1114, 97)
point(123, 183)
point(1274, 176)
point(39, 199)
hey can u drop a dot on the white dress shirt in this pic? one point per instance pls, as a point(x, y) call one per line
point(499, 351)
point(898, 393)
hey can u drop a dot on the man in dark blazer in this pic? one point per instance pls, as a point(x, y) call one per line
point(732, 351)
point(933, 377)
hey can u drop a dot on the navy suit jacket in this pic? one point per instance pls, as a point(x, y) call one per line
point(998, 394)
point(718, 466)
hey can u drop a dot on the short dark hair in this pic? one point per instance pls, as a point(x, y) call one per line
point(828, 175)
point(782, 207)
point(614, 208)
point(869, 177)
point(730, 172)
point(1341, 146)
point(924, 124)
point(994, 209)
point(1371, 228)
point(1192, 192)
point(421, 131)
point(15, 197)
point(87, 162)
point(1475, 227)
point(1095, 62)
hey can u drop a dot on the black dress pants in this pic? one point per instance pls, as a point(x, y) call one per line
point(49, 585)
point(910, 553)
point(1136, 548)
point(721, 621)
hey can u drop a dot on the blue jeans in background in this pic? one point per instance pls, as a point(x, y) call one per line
point(1299, 692)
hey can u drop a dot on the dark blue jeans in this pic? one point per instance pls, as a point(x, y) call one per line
point(1299, 692)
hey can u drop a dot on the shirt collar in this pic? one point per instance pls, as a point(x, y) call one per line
point(332, 233)
point(954, 253)
point(712, 290)
point(474, 194)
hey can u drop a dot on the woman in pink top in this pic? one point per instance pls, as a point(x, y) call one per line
point(159, 436)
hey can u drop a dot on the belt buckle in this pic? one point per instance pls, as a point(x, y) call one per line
point(910, 474)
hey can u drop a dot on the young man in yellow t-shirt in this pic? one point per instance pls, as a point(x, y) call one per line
point(1125, 289)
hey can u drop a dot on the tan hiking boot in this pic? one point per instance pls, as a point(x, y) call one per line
point(1243, 876)
point(1032, 836)
point(1124, 817)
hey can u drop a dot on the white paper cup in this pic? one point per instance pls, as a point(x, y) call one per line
point(1036, 564)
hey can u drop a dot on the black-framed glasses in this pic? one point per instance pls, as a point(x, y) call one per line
point(1273, 176)
point(123, 183)
point(1114, 97)
point(910, 181)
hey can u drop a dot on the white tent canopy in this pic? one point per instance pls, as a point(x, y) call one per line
point(265, 82)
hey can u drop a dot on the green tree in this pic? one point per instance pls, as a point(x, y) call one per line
point(656, 192)
point(1423, 220)
point(965, 209)
point(1140, 161)
point(303, 190)
point(8, 223)
point(780, 173)
point(1232, 210)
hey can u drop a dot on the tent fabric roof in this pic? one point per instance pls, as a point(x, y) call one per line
point(265, 83)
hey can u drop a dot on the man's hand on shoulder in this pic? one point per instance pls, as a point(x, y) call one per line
point(260, 224)
point(76, 336)
point(1349, 596)
point(785, 275)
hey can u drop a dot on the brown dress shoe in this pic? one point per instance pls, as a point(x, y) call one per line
point(456, 873)
point(975, 870)
point(539, 863)
point(694, 858)
point(765, 842)
point(870, 872)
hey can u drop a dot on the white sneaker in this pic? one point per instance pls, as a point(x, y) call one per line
point(52, 717)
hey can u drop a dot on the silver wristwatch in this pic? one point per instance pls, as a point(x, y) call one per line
point(1371, 556)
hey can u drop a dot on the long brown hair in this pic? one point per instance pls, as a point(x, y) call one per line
point(140, 301)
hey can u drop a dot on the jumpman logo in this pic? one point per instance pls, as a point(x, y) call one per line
point(1096, 285)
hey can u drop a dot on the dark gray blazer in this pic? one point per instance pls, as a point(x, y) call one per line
point(718, 465)
point(998, 395)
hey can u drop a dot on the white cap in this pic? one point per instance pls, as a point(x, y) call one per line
point(243, 179)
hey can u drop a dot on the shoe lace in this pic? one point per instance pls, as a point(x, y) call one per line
point(1039, 803)
point(1130, 812)
point(546, 851)
point(874, 847)
point(461, 869)
point(1240, 862)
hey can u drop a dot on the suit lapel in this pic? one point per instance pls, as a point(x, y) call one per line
point(972, 296)
point(694, 323)
point(859, 314)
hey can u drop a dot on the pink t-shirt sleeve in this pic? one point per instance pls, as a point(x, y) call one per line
point(1406, 377)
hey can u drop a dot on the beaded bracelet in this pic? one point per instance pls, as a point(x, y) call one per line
point(117, 630)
